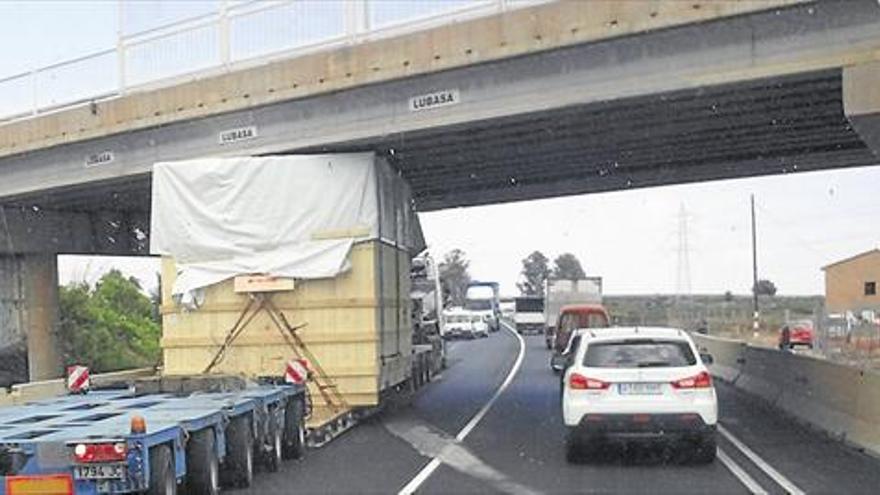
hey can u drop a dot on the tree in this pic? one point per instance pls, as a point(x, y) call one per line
point(764, 287)
point(567, 267)
point(728, 296)
point(110, 327)
point(156, 300)
point(454, 277)
point(534, 273)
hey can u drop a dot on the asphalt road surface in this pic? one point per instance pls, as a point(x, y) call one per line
point(491, 423)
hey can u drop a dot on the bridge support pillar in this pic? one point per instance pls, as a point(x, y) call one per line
point(29, 347)
point(861, 102)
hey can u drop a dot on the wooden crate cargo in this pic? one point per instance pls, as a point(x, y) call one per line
point(356, 323)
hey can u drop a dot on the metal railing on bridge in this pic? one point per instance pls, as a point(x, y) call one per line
point(225, 36)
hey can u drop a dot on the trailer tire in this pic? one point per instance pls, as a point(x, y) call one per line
point(203, 476)
point(239, 465)
point(276, 452)
point(294, 438)
point(163, 479)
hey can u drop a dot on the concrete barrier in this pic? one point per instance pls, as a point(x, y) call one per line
point(843, 401)
point(727, 353)
point(26, 392)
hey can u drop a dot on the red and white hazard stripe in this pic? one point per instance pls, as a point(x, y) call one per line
point(296, 371)
point(77, 379)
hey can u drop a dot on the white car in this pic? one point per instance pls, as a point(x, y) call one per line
point(638, 384)
point(479, 326)
point(458, 325)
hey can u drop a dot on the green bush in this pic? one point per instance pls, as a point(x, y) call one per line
point(111, 327)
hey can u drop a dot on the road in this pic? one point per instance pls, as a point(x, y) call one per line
point(516, 446)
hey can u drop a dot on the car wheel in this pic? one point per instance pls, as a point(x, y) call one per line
point(163, 481)
point(706, 449)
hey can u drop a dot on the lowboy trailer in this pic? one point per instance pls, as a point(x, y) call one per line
point(195, 437)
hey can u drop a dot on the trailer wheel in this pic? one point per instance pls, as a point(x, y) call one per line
point(239, 465)
point(203, 476)
point(294, 438)
point(273, 457)
point(163, 480)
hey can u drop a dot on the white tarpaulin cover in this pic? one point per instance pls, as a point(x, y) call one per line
point(287, 216)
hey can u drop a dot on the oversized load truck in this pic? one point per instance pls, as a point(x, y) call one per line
point(285, 308)
point(288, 257)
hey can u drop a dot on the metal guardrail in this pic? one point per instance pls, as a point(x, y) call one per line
point(234, 36)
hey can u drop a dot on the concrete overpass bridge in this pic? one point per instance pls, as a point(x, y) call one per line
point(545, 100)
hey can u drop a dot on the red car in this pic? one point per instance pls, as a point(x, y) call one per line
point(576, 316)
point(800, 333)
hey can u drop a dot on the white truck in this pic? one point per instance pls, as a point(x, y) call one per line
point(559, 293)
point(482, 299)
point(528, 314)
point(459, 324)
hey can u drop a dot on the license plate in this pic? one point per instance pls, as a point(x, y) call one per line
point(99, 471)
point(639, 389)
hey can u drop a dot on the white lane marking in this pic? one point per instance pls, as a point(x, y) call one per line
point(432, 466)
point(432, 443)
point(741, 474)
point(775, 475)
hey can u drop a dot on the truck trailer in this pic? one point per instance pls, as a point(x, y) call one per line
point(284, 323)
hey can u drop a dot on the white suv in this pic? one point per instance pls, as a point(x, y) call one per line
point(638, 384)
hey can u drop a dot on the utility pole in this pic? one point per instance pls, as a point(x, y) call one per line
point(756, 313)
point(683, 271)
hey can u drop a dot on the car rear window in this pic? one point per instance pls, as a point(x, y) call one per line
point(639, 354)
point(592, 320)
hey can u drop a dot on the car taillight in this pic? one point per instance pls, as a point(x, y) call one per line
point(701, 380)
point(100, 452)
point(580, 382)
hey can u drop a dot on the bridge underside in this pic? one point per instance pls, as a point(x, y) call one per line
point(772, 126)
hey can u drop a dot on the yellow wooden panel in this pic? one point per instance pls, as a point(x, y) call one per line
point(356, 325)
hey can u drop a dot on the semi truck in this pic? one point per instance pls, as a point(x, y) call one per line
point(428, 317)
point(283, 324)
point(482, 298)
point(528, 315)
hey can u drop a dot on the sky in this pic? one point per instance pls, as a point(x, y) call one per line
point(631, 238)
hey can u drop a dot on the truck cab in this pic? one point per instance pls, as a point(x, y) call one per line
point(482, 298)
point(573, 317)
point(528, 316)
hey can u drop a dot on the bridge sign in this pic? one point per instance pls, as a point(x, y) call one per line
point(101, 158)
point(433, 100)
point(237, 134)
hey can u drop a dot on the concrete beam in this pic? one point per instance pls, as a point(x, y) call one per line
point(508, 34)
point(861, 102)
point(28, 230)
point(792, 40)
